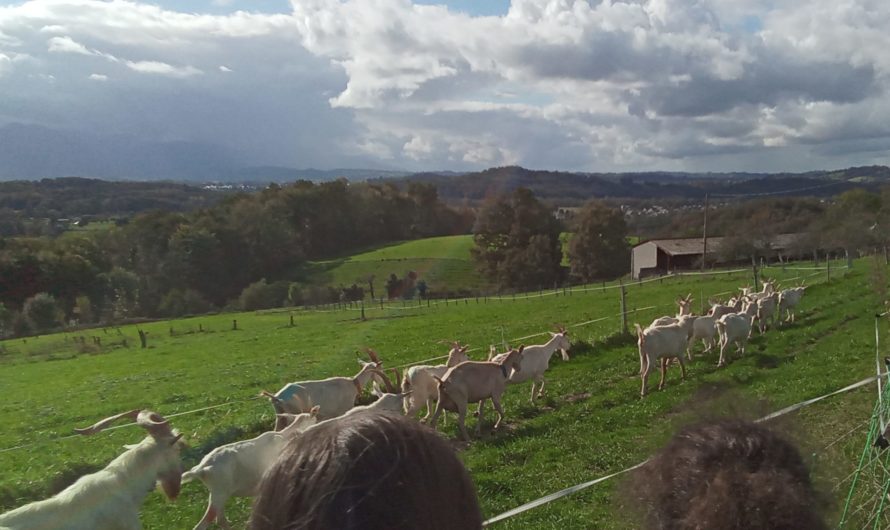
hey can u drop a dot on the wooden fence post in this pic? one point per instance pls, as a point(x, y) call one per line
point(754, 270)
point(363, 311)
point(234, 324)
point(623, 309)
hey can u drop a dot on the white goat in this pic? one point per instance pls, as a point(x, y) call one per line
point(110, 499)
point(734, 328)
point(685, 322)
point(766, 311)
point(684, 307)
point(536, 360)
point(661, 343)
point(702, 329)
point(419, 380)
point(718, 310)
point(475, 381)
point(390, 401)
point(788, 300)
point(335, 395)
point(236, 469)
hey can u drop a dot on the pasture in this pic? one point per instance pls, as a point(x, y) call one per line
point(591, 422)
point(443, 262)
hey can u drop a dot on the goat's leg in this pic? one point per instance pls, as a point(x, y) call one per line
point(479, 419)
point(435, 418)
point(496, 402)
point(722, 360)
point(221, 517)
point(210, 515)
point(531, 398)
point(541, 387)
point(682, 367)
point(461, 420)
point(644, 375)
point(664, 363)
point(417, 404)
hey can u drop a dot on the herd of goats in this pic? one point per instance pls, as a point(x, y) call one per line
point(111, 498)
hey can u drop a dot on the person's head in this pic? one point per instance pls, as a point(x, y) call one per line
point(367, 471)
point(729, 474)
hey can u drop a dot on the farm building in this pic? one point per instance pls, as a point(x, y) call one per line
point(661, 256)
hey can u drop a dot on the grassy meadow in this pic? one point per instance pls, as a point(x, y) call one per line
point(443, 262)
point(591, 422)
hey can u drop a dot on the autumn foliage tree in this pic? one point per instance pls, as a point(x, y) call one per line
point(598, 248)
point(517, 241)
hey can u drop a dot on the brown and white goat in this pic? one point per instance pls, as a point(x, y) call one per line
point(472, 382)
point(421, 382)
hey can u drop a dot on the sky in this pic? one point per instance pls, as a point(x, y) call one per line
point(633, 85)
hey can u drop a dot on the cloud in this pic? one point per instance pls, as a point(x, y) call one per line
point(98, 77)
point(564, 84)
point(67, 45)
point(160, 68)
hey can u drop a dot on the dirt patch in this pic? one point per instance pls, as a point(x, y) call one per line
point(580, 396)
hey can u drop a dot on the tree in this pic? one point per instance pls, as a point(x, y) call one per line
point(42, 312)
point(598, 248)
point(263, 295)
point(6, 317)
point(178, 302)
point(517, 241)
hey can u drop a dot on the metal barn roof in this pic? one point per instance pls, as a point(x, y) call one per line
point(694, 245)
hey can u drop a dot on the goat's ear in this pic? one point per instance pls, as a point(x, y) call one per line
point(438, 379)
point(360, 362)
point(175, 439)
point(314, 411)
point(130, 446)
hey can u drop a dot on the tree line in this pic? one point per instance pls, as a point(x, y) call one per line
point(246, 251)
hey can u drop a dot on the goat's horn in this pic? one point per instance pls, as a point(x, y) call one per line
point(270, 395)
point(101, 425)
point(372, 355)
point(389, 387)
point(154, 423)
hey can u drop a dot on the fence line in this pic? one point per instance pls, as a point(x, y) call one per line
point(229, 403)
point(584, 485)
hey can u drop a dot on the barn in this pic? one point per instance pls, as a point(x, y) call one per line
point(662, 256)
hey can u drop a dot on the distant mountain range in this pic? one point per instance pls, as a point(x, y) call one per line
point(578, 187)
point(32, 152)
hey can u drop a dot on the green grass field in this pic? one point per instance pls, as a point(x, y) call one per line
point(591, 423)
point(443, 262)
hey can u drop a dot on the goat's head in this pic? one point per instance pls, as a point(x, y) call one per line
point(457, 354)
point(561, 341)
point(684, 305)
point(166, 441)
point(514, 358)
point(297, 423)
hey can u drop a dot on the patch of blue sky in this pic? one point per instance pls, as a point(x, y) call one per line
point(472, 7)
point(513, 95)
point(219, 7)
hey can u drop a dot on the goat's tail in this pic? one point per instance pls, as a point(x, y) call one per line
point(406, 383)
point(197, 472)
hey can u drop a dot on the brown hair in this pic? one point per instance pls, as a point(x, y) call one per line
point(367, 471)
point(729, 474)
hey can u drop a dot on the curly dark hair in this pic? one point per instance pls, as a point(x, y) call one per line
point(729, 474)
point(369, 471)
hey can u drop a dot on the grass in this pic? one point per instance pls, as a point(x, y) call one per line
point(591, 423)
point(443, 262)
